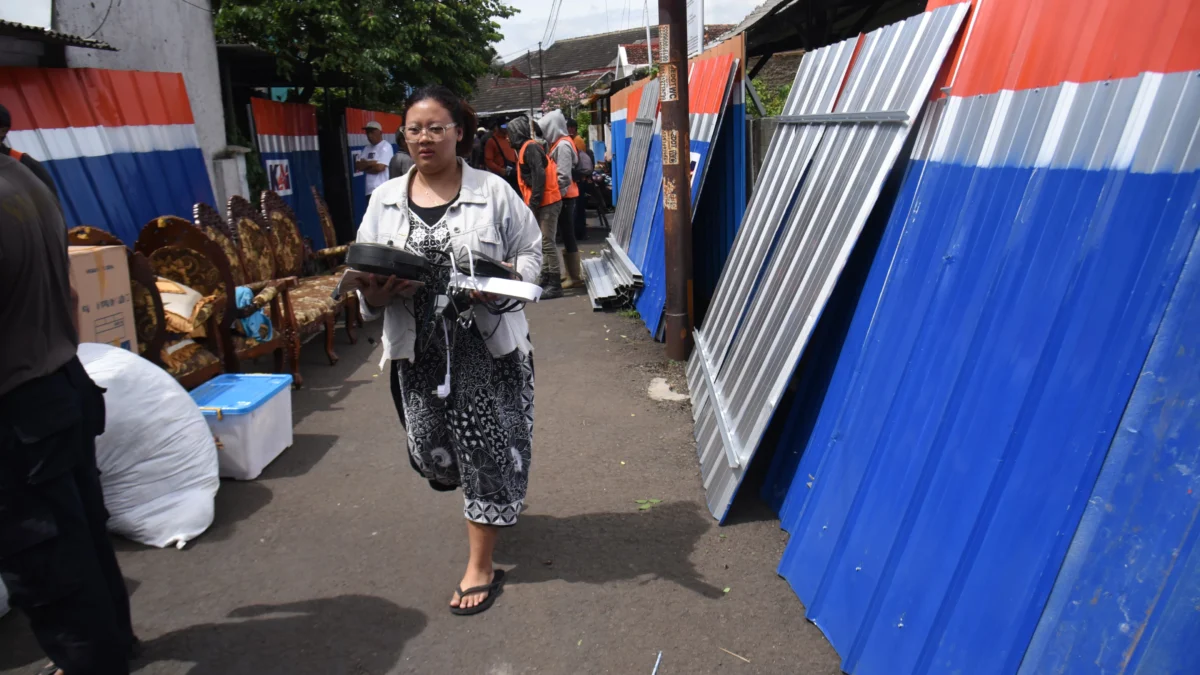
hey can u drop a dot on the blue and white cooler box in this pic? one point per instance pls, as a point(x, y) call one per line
point(251, 418)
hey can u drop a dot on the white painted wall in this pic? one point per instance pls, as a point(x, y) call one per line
point(155, 35)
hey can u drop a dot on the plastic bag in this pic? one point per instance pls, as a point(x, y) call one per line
point(3, 599)
point(157, 457)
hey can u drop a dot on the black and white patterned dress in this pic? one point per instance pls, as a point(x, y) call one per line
point(481, 436)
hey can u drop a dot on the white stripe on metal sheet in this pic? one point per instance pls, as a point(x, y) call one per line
point(97, 141)
point(750, 354)
point(1143, 124)
point(281, 144)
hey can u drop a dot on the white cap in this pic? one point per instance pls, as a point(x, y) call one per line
point(374, 125)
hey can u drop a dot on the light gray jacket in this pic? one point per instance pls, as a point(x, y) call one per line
point(554, 128)
point(487, 217)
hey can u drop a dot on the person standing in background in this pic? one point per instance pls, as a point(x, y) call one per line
point(499, 156)
point(583, 176)
point(401, 161)
point(376, 157)
point(56, 558)
point(573, 132)
point(537, 185)
point(29, 162)
point(477, 160)
point(562, 152)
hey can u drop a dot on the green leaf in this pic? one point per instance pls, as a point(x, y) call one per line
point(641, 501)
point(727, 589)
point(655, 501)
point(645, 507)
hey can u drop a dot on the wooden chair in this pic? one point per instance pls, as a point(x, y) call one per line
point(312, 298)
point(306, 312)
point(332, 255)
point(270, 294)
point(180, 252)
point(149, 317)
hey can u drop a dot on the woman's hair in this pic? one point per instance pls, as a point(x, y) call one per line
point(461, 113)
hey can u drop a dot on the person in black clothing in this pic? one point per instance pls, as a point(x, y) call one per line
point(29, 162)
point(56, 558)
point(401, 162)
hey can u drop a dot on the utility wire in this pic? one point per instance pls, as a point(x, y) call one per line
point(102, 21)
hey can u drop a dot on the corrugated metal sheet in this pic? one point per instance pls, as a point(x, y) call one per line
point(742, 383)
point(1128, 595)
point(356, 140)
point(287, 143)
point(717, 215)
point(635, 164)
point(709, 80)
point(1020, 283)
point(121, 145)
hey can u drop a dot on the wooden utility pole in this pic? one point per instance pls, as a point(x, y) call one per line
point(529, 61)
point(676, 158)
point(541, 74)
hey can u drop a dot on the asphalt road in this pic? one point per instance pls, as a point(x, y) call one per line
point(340, 559)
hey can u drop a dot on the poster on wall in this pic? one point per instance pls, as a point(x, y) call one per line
point(279, 176)
point(287, 142)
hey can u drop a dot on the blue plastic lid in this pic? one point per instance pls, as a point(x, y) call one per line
point(238, 394)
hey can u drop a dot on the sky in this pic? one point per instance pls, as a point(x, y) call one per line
point(588, 17)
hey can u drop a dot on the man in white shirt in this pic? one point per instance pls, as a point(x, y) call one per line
point(375, 157)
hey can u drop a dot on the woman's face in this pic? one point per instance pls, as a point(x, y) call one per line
point(431, 154)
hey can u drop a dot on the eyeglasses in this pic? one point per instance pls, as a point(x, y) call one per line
point(437, 132)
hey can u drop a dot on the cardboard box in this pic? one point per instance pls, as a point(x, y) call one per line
point(100, 275)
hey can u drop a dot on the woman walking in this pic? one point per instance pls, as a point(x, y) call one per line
point(463, 386)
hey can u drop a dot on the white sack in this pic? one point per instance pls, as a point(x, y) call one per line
point(157, 457)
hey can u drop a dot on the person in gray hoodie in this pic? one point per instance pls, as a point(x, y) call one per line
point(540, 191)
point(561, 148)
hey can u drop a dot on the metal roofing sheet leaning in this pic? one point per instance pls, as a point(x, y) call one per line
point(635, 164)
point(893, 72)
point(992, 379)
point(1136, 540)
point(814, 90)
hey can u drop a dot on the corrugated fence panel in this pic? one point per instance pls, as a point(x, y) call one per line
point(621, 128)
point(1025, 270)
point(718, 212)
point(709, 79)
point(1126, 599)
point(287, 143)
point(121, 145)
point(356, 140)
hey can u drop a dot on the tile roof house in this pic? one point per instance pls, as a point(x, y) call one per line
point(631, 57)
point(582, 62)
point(579, 62)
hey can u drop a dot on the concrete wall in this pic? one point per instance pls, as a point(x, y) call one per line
point(162, 35)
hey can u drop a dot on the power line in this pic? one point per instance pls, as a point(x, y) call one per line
point(206, 9)
point(102, 21)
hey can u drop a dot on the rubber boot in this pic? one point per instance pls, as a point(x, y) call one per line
point(552, 287)
point(574, 271)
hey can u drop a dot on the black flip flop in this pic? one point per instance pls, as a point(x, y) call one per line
point(492, 589)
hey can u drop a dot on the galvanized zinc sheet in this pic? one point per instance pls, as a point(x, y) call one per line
point(988, 376)
point(1126, 594)
point(635, 164)
point(121, 145)
point(741, 384)
point(814, 90)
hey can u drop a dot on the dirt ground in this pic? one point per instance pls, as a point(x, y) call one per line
point(340, 559)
